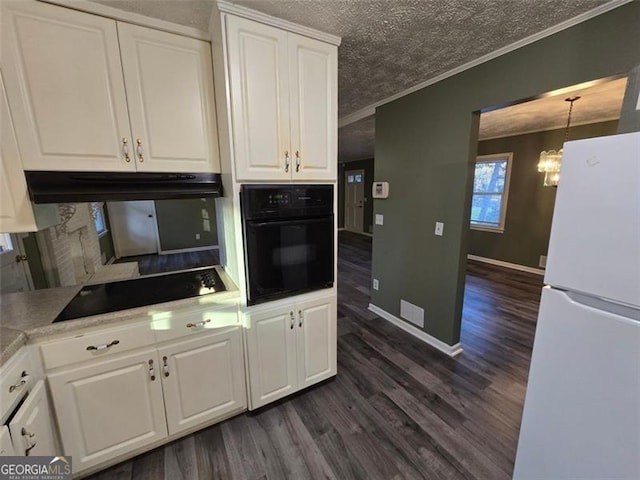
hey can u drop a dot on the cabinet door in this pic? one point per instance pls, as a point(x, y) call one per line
point(6, 447)
point(313, 68)
point(31, 427)
point(316, 343)
point(259, 80)
point(169, 82)
point(109, 408)
point(65, 88)
point(16, 214)
point(271, 352)
point(203, 379)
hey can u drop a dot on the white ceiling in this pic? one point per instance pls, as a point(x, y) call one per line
point(389, 46)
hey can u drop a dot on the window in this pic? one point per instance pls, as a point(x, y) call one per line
point(97, 212)
point(490, 191)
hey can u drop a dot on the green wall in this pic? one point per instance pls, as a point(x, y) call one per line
point(530, 204)
point(368, 167)
point(426, 147)
point(179, 221)
point(32, 251)
point(106, 240)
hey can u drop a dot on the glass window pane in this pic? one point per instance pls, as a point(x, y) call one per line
point(350, 179)
point(485, 210)
point(490, 176)
point(358, 178)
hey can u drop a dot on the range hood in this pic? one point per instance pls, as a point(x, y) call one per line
point(68, 187)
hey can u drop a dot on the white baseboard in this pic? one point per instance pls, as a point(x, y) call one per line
point(187, 250)
point(500, 263)
point(451, 350)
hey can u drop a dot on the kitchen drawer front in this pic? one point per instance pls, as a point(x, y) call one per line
point(96, 345)
point(172, 325)
point(15, 379)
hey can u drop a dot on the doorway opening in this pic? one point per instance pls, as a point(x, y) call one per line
point(354, 200)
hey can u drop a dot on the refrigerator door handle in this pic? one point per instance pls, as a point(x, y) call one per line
point(604, 305)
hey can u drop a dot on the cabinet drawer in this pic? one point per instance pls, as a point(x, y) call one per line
point(97, 344)
point(15, 379)
point(172, 325)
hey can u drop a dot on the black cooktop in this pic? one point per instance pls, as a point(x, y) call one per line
point(115, 296)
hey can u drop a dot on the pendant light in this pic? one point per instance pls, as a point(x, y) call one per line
point(551, 160)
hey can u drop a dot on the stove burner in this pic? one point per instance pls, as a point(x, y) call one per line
point(139, 292)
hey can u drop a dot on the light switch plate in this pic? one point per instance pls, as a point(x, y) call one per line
point(379, 219)
point(376, 284)
point(439, 229)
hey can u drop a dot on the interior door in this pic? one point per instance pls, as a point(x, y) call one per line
point(14, 268)
point(134, 227)
point(169, 80)
point(203, 378)
point(313, 67)
point(31, 428)
point(354, 200)
point(259, 73)
point(64, 82)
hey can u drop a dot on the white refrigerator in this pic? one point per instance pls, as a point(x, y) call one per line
point(581, 416)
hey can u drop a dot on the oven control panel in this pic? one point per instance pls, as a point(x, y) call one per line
point(286, 201)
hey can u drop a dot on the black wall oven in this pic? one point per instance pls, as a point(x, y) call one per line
point(289, 239)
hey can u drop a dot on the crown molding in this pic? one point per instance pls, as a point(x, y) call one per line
point(370, 110)
point(130, 17)
point(240, 11)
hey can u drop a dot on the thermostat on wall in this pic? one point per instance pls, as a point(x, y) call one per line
point(380, 190)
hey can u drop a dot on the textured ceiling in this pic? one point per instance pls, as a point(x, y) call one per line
point(596, 104)
point(389, 46)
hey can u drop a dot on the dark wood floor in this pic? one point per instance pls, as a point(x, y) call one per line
point(149, 264)
point(397, 409)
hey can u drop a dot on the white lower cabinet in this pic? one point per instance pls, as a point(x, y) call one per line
point(6, 446)
point(203, 379)
point(31, 427)
point(290, 348)
point(109, 408)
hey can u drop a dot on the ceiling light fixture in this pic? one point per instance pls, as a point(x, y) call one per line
point(551, 160)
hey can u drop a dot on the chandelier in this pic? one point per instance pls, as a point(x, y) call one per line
point(551, 160)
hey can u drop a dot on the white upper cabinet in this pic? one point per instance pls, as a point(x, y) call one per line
point(283, 102)
point(17, 214)
point(169, 83)
point(259, 100)
point(66, 73)
point(66, 92)
point(314, 101)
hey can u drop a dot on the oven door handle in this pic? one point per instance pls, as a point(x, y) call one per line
point(279, 223)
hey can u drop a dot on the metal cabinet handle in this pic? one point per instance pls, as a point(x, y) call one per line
point(27, 450)
point(298, 161)
point(152, 371)
point(293, 321)
point(125, 150)
point(139, 150)
point(198, 324)
point(165, 367)
point(286, 161)
point(28, 435)
point(104, 346)
point(300, 318)
point(21, 258)
point(21, 383)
